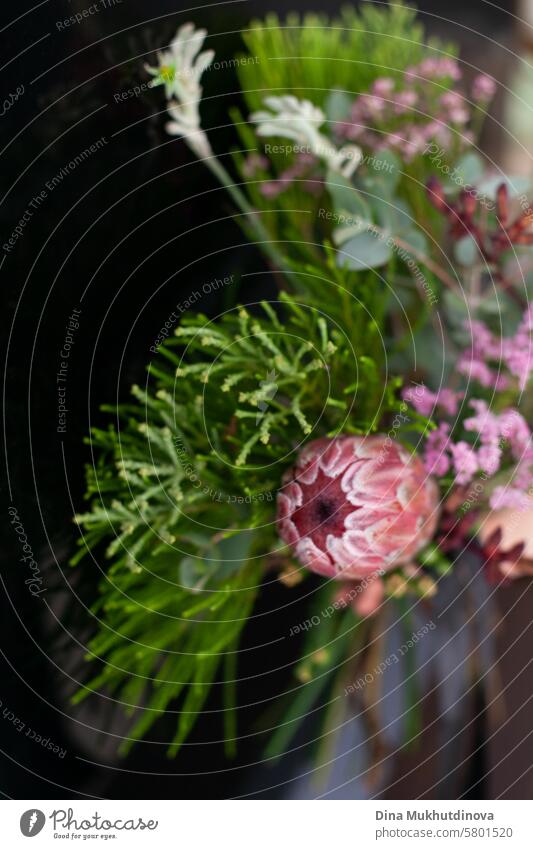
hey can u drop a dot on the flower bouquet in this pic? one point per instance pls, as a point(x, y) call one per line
point(361, 436)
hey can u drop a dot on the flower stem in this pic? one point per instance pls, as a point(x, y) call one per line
point(241, 201)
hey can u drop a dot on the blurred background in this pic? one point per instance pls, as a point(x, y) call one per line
point(107, 240)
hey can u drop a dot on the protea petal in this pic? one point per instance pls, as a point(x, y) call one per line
point(353, 506)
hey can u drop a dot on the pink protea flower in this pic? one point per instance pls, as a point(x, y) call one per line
point(356, 505)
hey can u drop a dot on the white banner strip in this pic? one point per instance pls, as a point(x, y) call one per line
point(267, 824)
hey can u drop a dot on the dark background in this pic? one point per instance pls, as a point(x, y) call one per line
point(129, 232)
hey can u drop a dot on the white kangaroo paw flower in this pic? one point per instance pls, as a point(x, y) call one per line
point(180, 69)
point(300, 121)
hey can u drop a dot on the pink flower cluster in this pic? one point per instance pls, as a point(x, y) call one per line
point(488, 353)
point(425, 401)
point(496, 434)
point(502, 441)
point(253, 163)
point(434, 68)
point(410, 116)
point(517, 350)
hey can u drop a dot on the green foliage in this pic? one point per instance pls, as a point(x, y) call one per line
point(325, 650)
point(330, 61)
point(312, 55)
point(228, 404)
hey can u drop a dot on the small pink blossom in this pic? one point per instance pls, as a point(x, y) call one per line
point(395, 140)
point(509, 496)
point(436, 68)
point(455, 106)
point(374, 105)
point(272, 188)
point(484, 422)
point(438, 131)
point(354, 129)
point(449, 400)
point(465, 462)
point(421, 398)
point(523, 475)
point(483, 88)
point(489, 458)
point(405, 101)
point(477, 369)
point(483, 341)
point(253, 163)
point(515, 429)
point(515, 352)
point(424, 401)
point(417, 139)
point(436, 459)
point(459, 115)
point(383, 86)
point(518, 350)
point(298, 169)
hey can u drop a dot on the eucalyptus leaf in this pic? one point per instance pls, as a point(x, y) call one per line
point(466, 250)
point(193, 573)
point(343, 234)
point(430, 357)
point(233, 552)
point(492, 305)
point(518, 266)
point(456, 307)
point(506, 311)
point(516, 186)
point(346, 198)
point(366, 250)
point(337, 107)
point(392, 214)
point(469, 169)
point(199, 539)
point(417, 240)
point(383, 172)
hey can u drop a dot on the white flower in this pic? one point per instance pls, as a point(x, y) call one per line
point(291, 118)
point(347, 160)
point(179, 70)
point(300, 121)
